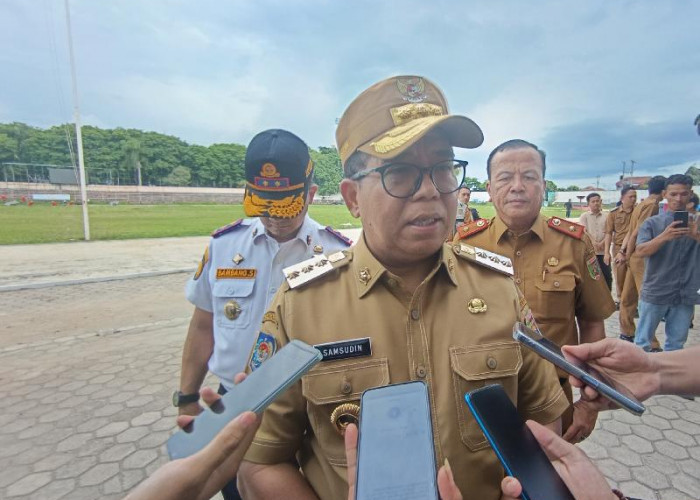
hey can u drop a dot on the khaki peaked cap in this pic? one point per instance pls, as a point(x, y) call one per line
point(392, 115)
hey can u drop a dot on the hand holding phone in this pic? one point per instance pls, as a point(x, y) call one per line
point(514, 445)
point(395, 454)
point(609, 388)
point(682, 217)
point(254, 394)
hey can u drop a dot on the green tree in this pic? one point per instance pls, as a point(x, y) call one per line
point(573, 187)
point(474, 184)
point(180, 176)
point(551, 186)
point(694, 173)
point(327, 170)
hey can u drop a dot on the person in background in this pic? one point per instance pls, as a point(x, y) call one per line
point(568, 205)
point(242, 265)
point(594, 222)
point(692, 206)
point(617, 225)
point(554, 262)
point(465, 214)
point(672, 276)
point(635, 264)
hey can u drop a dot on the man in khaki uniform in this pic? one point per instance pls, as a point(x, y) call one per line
point(616, 227)
point(635, 275)
point(555, 264)
point(401, 305)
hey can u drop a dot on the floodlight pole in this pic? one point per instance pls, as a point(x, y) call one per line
point(78, 133)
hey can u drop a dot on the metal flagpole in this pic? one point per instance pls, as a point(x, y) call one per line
point(78, 133)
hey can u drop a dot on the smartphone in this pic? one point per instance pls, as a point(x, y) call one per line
point(682, 216)
point(255, 393)
point(614, 391)
point(395, 451)
point(514, 445)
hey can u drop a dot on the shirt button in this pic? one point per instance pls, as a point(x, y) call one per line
point(556, 284)
point(491, 363)
point(518, 253)
point(421, 372)
point(346, 387)
point(518, 280)
point(415, 314)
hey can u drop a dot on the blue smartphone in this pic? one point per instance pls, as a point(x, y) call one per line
point(255, 393)
point(606, 386)
point(395, 451)
point(515, 446)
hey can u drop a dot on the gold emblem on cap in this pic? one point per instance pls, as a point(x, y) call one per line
point(411, 89)
point(409, 112)
point(232, 310)
point(344, 415)
point(477, 306)
point(556, 221)
point(552, 261)
point(238, 258)
point(318, 249)
point(365, 275)
point(269, 170)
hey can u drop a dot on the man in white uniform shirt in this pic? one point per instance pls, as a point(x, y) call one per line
point(594, 222)
point(242, 266)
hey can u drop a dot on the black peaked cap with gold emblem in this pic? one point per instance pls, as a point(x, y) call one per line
point(278, 172)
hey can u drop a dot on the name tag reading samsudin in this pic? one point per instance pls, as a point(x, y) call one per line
point(345, 349)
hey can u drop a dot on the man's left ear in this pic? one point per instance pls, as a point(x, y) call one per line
point(348, 190)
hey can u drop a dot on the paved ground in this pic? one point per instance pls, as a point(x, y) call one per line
point(86, 372)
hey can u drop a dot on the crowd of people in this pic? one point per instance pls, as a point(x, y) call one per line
point(418, 297)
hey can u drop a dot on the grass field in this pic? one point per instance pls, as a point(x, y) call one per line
point(43, 223)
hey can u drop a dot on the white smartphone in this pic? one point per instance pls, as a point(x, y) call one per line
point(395, 452)
point(606, 386)
point(255, 394)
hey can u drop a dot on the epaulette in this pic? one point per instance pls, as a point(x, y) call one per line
point(339, 235)
point(492, 260)
point(472, 228)
point(311, 269)
point(567, 227)
point(226, 229)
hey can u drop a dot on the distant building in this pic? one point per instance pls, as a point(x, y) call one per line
point(590, 188)
point(635, 182)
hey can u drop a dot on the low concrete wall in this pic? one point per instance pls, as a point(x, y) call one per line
point(144, 195)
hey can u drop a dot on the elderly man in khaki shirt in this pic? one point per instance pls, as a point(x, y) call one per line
point(554, 260)
point(594, 222)
point(401, 305)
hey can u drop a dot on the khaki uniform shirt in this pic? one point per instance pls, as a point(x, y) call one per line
point(558, 275)
point(595, 226)
point(618, 224)
point(647, 208)
point(429, 335)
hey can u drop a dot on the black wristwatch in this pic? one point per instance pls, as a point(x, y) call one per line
point(180, 399)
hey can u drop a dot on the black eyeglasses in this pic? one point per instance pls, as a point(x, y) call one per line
point(403, 180)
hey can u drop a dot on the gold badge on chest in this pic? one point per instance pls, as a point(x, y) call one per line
point(476, 306)
point(232, 310)
point(344, 415)
point(552, 261)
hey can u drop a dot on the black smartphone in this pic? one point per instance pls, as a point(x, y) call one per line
point(606, 386)
point(395, 451)
point(682, 216)
point(255, 393)
point(514, 445)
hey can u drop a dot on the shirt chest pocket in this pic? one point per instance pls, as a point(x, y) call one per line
point(327, 387)
point(233, 302)
point(556, 299)
point(477, 366)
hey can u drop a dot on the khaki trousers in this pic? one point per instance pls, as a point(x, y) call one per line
point(631, 289)
point(620, 271)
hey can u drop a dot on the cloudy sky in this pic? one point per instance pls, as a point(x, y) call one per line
point(593, 83)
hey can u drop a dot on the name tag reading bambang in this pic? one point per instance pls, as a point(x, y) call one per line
point(345, 349)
